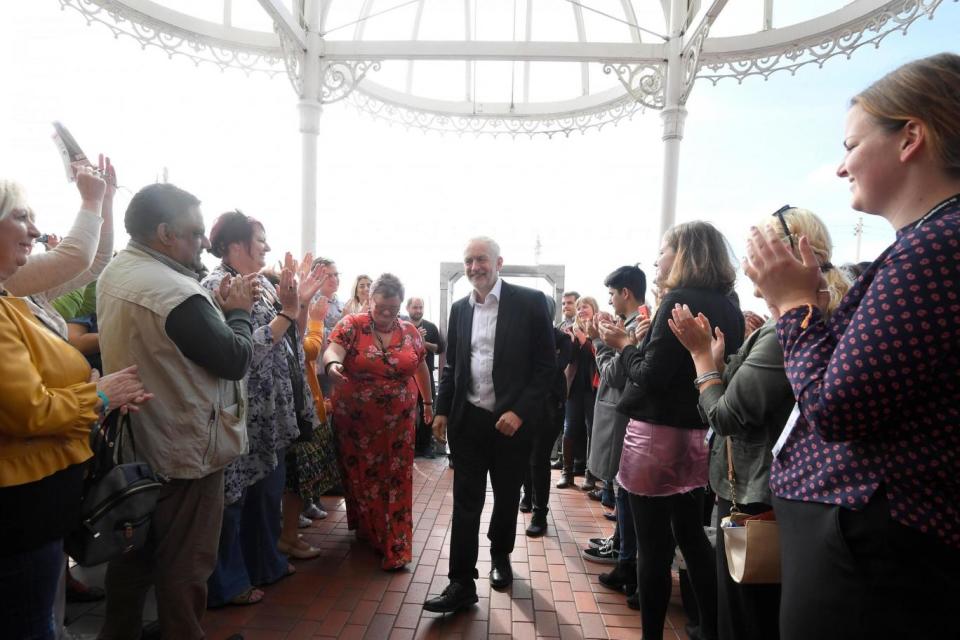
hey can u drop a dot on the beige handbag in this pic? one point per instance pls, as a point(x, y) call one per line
point(751, 542)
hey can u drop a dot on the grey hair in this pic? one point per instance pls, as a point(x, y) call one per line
point(388, 286)
point(12, 196)
point(491, 245)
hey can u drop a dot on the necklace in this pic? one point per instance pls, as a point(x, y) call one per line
point(376, 333)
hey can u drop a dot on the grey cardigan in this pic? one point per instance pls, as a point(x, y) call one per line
point(750, 407)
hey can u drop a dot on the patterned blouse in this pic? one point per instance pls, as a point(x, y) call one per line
point(878, 385)
point(271, 415)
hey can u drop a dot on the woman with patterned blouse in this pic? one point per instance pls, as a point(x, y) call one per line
point(379, 362)
point(866, 476)
point(281, 413)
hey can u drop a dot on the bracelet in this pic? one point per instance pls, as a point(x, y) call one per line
point(326, 367)
point(105, 400)
point(428, 404)
point(707, 377)
point(289, 319)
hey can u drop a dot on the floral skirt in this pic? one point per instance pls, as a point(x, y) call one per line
point(312, 467)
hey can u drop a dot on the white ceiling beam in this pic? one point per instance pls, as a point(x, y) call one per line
point(494, 50)
point(284, 20)
point(706, 15)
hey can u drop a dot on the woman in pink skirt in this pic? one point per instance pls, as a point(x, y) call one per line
point(664, 462)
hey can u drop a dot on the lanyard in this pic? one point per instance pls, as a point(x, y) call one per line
point(946, 204)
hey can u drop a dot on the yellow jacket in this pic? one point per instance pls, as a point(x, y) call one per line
point(312, 343)
point(47, 405)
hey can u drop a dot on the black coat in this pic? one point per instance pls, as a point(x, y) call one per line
point(524, 356)
point(660, 371)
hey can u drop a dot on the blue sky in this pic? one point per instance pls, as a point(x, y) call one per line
point(403, 201)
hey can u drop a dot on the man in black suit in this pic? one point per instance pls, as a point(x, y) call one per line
point(500, 363)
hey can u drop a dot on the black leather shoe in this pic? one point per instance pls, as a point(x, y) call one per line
point(623, 578)
point(455, 597)
point(538, 525)
point(501, 575)
point(526, 504)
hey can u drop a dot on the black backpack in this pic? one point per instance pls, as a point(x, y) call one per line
point(118, 498)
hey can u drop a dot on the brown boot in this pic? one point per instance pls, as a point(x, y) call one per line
point(566, 478)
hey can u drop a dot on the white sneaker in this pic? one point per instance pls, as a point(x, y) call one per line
point(314, 512)
point(303, 522)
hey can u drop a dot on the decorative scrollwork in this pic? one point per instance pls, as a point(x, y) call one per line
point(645, 83)
point(292, 60)
point(121, 20)
point(496, 125)
point(690, 59)
point(338, 79)
point(871, 29)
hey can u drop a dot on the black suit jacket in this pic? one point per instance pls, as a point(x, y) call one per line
point(524, 357)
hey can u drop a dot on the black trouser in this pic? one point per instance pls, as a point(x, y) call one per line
point(536, 482)
point(658, 521)
point(746, 611)
point(477, 448)
point(860, 574)
point(579, 424)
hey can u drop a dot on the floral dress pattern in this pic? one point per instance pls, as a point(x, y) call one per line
point(374, 419)
point(271, 414)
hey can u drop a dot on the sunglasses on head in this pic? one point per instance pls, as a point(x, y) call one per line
point(826, 266)
point(783, 223)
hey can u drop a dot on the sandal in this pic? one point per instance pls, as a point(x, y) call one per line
point(296, 551)
point(247, 598)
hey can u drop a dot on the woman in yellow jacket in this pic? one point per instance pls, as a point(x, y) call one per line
point(48, 402)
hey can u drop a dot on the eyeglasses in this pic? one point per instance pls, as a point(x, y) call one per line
point(783, 223)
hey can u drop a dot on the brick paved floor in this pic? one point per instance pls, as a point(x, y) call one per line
point(344, 594)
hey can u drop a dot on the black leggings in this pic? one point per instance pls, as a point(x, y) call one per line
point(658, 521)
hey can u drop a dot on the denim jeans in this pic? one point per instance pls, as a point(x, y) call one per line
point(28, 585)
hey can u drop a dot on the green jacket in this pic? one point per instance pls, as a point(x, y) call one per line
point(750, 407)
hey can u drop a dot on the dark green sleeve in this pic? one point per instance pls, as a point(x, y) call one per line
point(223, 348)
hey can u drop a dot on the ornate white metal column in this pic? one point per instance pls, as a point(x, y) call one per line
point(310, 109)
point(674, 114)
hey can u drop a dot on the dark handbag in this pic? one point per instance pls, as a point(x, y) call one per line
point(118, 499)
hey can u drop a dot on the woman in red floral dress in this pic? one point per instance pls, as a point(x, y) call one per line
point(378, 361)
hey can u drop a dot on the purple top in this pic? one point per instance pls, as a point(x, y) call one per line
point(878, 385)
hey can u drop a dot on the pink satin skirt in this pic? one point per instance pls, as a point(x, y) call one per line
point(661, 461)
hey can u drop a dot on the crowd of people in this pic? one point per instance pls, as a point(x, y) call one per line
point(252, 391)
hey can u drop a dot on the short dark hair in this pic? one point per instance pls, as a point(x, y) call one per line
point(387, 285)
point(232, 226)
point(630, 277)
point(567, 294)
point(156, 204)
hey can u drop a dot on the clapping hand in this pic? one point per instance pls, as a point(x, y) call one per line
point(318, 309)
point(694, 333)
point(784, 281)
point(238, 292)
point(752, 321)
point(614, 336)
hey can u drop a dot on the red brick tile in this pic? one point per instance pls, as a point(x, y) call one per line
point(333, 623)
point(408, 616)
point(500, 621)
point(499, 599)
point(593, 626)
point(305, 630)
point(352, 632)
point(571, 632)
point(522, 610)
point(363, 613)
point(585, 602)
point(263, 634)
point(401, 634)
point(547, 623)
point(380, 626)
point(562, 592)
point(627, 633)
point(579, 582)
point(567, 613)
point(524, 631)
point(391, 602)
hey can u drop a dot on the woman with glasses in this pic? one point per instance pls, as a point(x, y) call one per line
point(379, 364)
point(865, 475)
point(746, 400)
point(663, 465)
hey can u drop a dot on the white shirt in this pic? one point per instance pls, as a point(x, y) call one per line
point(480, 392)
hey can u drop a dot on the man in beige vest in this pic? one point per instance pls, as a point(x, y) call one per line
point(194, 348)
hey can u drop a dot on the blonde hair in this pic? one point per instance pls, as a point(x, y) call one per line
point(12, 196)
point(927, 90)
point(356, 287)
point(802, 222)
point(590, 302)
point(703, 258)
